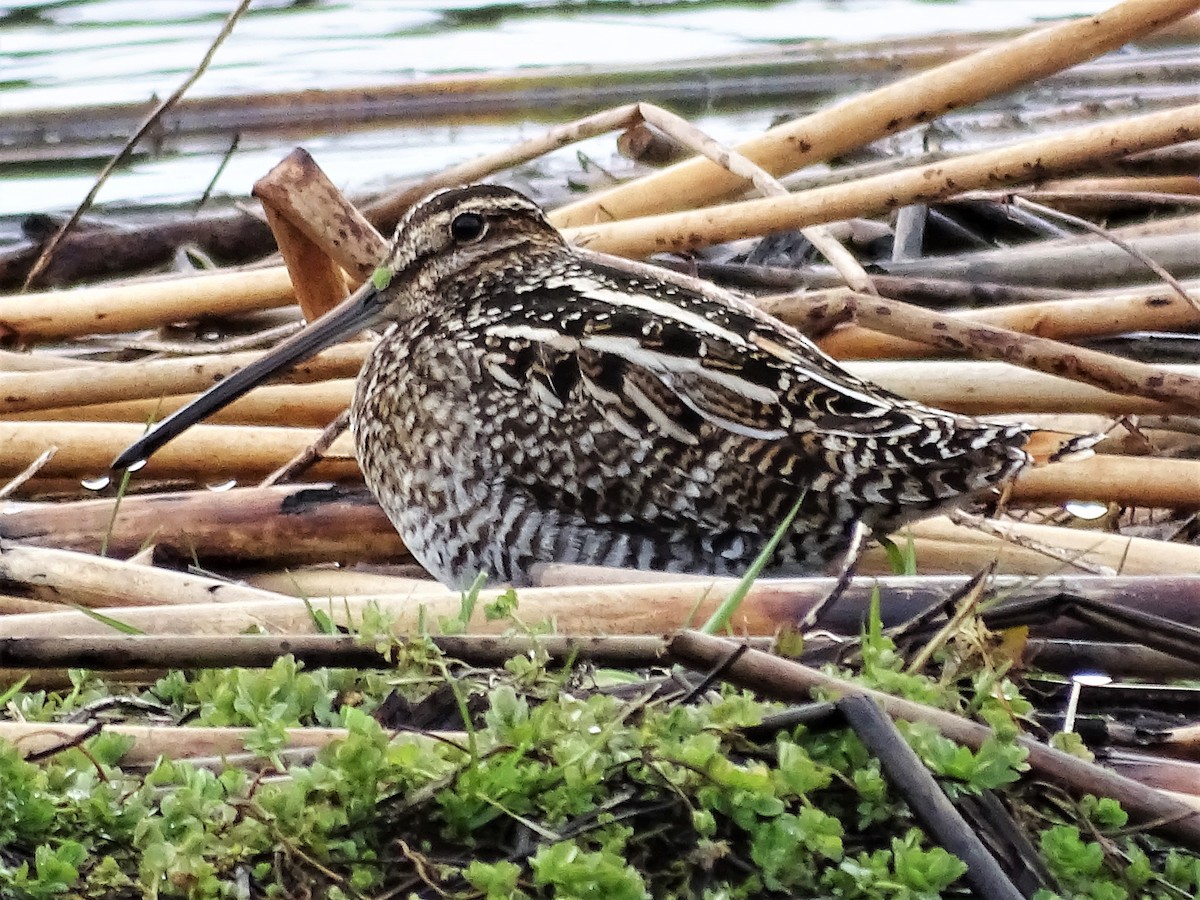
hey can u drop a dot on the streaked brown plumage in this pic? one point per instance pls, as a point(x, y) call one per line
point(531, 402)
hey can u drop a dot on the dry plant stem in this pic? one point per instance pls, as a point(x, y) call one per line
point(867, 117)
point(307, 405)
point(1066, 657)
point(1022, 547)
point(1069, 559)
point(265, 338)
point(54, 315)
point(790, 681)
point(27, 391)
point(304, 460)
point(965, 606)
point(1083, 316)
point(647, 609)
point(319, 580)
point(819, 236)
point(27, 473)
point(290, 526)
point(206, 453)
point(1075, 263)
point(1064, 151)
point(11, 361)
point(10, 606)
point(47, 253)
point(314, 225)
point(1164, 483)
point(391, 207)
point(62, 576)
point(1101, 370)
point(150, 742)
point(1133, 251)
point(299, 192)
point(1169, 776)
point(319, 523)
point(1095, 265)
point(1152, 631)
point(173, 651)
point(1103, 202)
point(932, 808)
point(317, 280)
point(966, 388)
point(1159, 191)
point(92, 310)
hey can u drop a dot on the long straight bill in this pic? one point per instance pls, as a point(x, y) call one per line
point(352, 315)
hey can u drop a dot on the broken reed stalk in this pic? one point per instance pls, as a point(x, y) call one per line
point(54, 315)
point(983, 388)
point(1052, 154)
point(83, 579)
point(1103, 370)
point(316, 279)
point(319, 233)
point(292, 405)
point(206, 453)
point(864, 118)
point(298, 192)
point(287, 526)
point(81, 386)
point(1088, 315)
point(786, 680)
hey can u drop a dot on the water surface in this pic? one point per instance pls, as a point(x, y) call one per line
point(80, 52)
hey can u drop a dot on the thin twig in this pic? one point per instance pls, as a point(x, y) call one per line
point(858, 536)
point(256, 341)
point(766, 184)
point(47, 253)
point(1125, 245)
point(309, 454)
point(1076, 559)
point(28, 472)
point(212, 182)
point(1154, 198)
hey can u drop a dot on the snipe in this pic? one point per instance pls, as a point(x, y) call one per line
point(530, 402)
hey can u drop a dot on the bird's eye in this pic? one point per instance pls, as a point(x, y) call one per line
point(467, 227)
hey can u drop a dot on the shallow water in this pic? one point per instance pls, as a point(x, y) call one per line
point(65, 54)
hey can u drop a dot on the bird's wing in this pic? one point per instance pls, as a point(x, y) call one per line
point(672, 357)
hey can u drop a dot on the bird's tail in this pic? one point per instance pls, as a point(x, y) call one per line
point(1046, 447)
